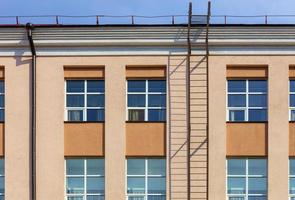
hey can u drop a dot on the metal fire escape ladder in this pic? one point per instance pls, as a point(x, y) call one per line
point(188, 96)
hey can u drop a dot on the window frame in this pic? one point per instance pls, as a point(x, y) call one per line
point(247, 94)
point(247, 177)
point(85, 107)
point(84, 176)
point(145, 176)
point(289, 100)
point(146, 93)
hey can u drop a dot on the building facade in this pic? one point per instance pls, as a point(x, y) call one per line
point(114, 105)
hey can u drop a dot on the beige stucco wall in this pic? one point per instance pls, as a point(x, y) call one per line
point(17, 123)
point(50, 129)
point(50, 125)
point(278, 122)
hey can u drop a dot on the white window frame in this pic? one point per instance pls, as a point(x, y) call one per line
point(246, 176)
point(291, 108)
point(247, 94)
point(3, 108)
point(145, 176)
point(146, 93)
point(85, 93)
point(290, 176)
point(84, 176)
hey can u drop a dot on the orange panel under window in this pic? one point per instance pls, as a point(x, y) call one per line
point(246, 71)
point(146, 139)
point(72, 72)
point(145, 71)
point(2, 139)
point(292, 72)
point(84, 139)
point(292, 139)
point(246, 139)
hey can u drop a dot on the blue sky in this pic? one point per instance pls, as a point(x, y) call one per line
point(144, 7)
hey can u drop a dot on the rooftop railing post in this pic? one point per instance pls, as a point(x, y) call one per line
point(132, 20)
point(225, 20)
point(56, 19)
point(17, 22)
point(173, 20)
point(97, 20)
point(266, 19)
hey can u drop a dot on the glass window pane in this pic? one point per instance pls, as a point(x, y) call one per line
point(236, 86)
point(1, 86)
point(95, 86)
point(157, 185)
point(95, 114)
point(75, 197)
point(236, 198)
point(257, 186)
point(2, 100)
point(257, 86)
point(75, 115)
point(236, 185)
point(236, 167)
point(156, 197)
point(292, 166)
point(257, 167)
point(292, 115)
point(135, 115)
point(259, 100)
point(95, 167)
point(236, 100)
point(2, 115)
point(292, 186)
point(75, 86)
point(292, 85)
point(157, 115)
point(95, 197)
point(75, 100)
point(136, 86)
point(257, 198)
point(95, 185)
point(2, 186)
point(292, 100)
point(75, 185)
point(157, 85)
point(95, 100)
point(135, 185)
point(257, 115)
point(135, 197)
point(136, 100)
point(236, 115)
point(2, 167)
point(157, 100)
point(157, 167)
point(135, 166)
point(75, 167)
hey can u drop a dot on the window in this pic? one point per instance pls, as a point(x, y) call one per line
point(2, 105)
point(146, 100)
point(84, 100)
point(247, 100)
point(2, 190)
point(246, 179)
point(292, 178)
point(85, 179)
point(292, 100)
point(146, 179)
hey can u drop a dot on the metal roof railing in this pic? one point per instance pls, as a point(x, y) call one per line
point(142, 20)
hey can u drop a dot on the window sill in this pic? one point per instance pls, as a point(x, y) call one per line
point(83, 122)
point(145, 121)
point(246, 122)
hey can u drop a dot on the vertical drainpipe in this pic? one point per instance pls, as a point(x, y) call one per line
point(29, 28)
